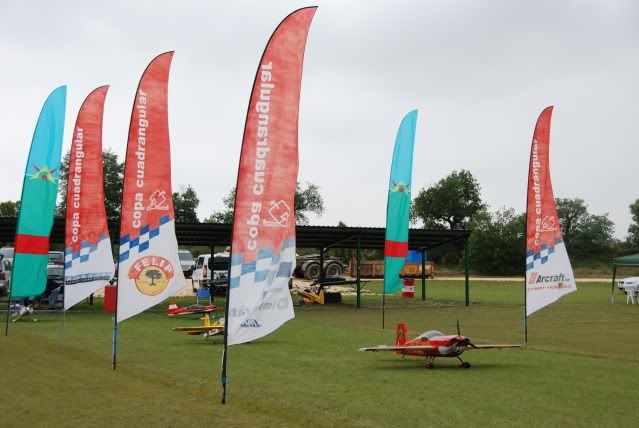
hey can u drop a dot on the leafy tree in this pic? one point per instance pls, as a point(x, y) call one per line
point(113, 176)
point(571, 213)
point(497, 242)
point(185, 204)
point(9, 208)
point(449, 204)
point(226, 215)
point(586, 235)
point(307, 200)
point(633, 230)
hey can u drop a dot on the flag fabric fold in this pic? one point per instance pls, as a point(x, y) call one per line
point(149, 267)
point(398, 205)
point(263, 246)
point(548, 271)
point(88, 259)
point(37, 204)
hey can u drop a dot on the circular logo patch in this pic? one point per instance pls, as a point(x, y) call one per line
point(151, 274)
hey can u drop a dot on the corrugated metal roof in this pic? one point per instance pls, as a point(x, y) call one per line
point(206, 234)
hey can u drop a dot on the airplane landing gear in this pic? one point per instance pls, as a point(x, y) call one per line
point(429, 363)
point(464, 364)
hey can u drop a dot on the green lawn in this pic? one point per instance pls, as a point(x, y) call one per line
point(581, 367)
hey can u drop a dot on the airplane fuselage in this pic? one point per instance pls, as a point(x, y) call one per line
point(442, 346)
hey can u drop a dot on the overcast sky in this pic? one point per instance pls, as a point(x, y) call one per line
point(479, 72)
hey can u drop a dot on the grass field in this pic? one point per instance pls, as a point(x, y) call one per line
point(581, 367)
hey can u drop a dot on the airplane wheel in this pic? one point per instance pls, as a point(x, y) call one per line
point(464, 365)
point(429, 365)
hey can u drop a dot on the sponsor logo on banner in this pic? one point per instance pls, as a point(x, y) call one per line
point(151, 274)
point(157, 201)
point(536, 278)
point(250, 323)
point(548, 224)
point(400, 187)
point(280, 214)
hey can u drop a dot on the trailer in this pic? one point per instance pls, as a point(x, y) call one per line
point(309, 267)
point(375, 269)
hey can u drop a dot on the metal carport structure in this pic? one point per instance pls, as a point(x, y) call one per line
point(321, 238)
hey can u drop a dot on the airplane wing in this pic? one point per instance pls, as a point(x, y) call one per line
point(398, 348)
point(200, 329)
point(492, 346)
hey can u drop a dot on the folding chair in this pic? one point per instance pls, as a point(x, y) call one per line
point(203, 293)
point(631, 293)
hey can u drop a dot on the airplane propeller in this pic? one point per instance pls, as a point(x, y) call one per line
point(468, 342)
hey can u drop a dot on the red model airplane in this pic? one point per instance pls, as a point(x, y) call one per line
point(433, 344)
point(193, 309)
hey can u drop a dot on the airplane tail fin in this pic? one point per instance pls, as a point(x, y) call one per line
point(402, 334)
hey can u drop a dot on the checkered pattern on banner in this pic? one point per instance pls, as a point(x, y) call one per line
point(130, 245)
point(267, 266)
point(71, 257)
point(541, 257)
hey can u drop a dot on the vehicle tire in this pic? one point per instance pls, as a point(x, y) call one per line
point(333, 270)
point(312, 271)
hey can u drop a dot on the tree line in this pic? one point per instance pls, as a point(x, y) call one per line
point(496, 244)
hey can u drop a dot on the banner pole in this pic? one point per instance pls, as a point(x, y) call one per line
point(383, 306)
point(6, 324)
point(226, 322)
point(114, 339)
point(62, 338)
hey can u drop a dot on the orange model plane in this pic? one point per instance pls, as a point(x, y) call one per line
point(208, 328)
point(433, 344)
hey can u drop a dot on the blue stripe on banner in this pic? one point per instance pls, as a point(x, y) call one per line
point(144, 246)
point(68, 251)
point(124, 239)
point(134, 242)
point(93, 248)
point(84, 258)
point(154, 232)
point(248, 268)
point(164, 219)
point(76, 255)
point(67, 265)
point(285, 270)
point(529, 253)
point(123, 256)
point(537, 256)
point(145, 229)
point(290, 242)
point(265, 253)
point(544, 260)
point(85, 244)
point(530, 266)
point(551, 250)
point(236, 259)
point(543, 247)
point(234, 282)
point(261, 275)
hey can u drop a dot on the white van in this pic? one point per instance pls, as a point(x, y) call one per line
point(202, 272)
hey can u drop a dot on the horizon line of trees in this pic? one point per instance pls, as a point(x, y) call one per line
point(497, 242)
